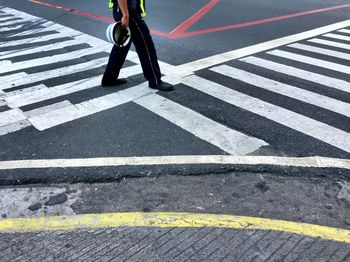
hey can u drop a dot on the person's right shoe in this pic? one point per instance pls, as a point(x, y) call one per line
point(116, 82)
point(162, 86)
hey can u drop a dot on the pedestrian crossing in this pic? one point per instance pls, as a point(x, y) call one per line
point(301, 89)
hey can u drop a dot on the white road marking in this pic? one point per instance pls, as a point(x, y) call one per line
point(42, 48)
point(50, 60)
point(32, 40)
point(323, 132)
point(6, 18)
point(16, 23)
point(46, 109)
point(311, 61)
point(286, 90)
point(345, 31)
point(69, 113)
point(337, 36)
point(42, 93)
point(13, 127)
point(322, 51)
point(299, 73)
point(11, 116)
point(229, 140)
point(21, 79)
point(310, 162)
point(235, 54)
point(330, 43)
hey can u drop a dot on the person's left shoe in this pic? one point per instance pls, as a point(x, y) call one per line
point(116, 82)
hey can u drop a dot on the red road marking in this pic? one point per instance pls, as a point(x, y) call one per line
point(258, 22)
point(193, 19)
point(180, 31)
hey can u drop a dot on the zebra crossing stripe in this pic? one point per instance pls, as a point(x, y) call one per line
point(322, 51)
point(299, 73)
point(229, 140)
point(345, 31)
point(32, 40)
point(284, 89)
point(311, 61)
point(18, 79)
point(16, 23)
point(42, 48)
point(69, 113)
point(42, 93)
point(337, 36)
point(7, 30)
point(329, 43)
point(328, 134)
point(51, 59)
point(11, 116)
point(16, 126)
point(46, 109)
point(8, 18)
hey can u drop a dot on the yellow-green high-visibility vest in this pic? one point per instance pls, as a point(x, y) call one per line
point(142, 6)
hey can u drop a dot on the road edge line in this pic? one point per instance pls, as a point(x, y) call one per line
point(308, 162)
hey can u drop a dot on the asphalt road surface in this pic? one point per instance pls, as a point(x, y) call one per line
point(251, 78)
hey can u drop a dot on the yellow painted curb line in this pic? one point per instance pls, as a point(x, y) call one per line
point(169, 219)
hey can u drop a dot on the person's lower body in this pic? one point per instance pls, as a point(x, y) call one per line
point(141, 37)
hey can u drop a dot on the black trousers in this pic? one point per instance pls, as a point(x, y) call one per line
point(141, 38)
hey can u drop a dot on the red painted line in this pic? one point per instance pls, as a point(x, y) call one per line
point(258, 22)
point(193, 19)
point(87, 14)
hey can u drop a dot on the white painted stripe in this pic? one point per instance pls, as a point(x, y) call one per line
point(311, 61)
point(310, 162)
point(16, 23)
point(299, 73)
point(6, 18)
point(337, 36)
point(34, 29)
point(46, 109)
point(14, 127)
point(322, 51)
point(24, 90)
point(16, 80)
point(345, 31)
point(330, 43)
point(229, 140)
point(69, 113)
point(11, 116)
point(286, 90)
point(6, 30)
point(50, 60)
point(39, 49)
point(328, 134)
point(42, 93)
point(235, 54)
point(38, 39)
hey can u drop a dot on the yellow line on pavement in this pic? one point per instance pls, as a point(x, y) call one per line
point(169, 219)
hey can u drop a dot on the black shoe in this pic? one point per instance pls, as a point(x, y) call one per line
point(162, 86)
point(116, 82)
